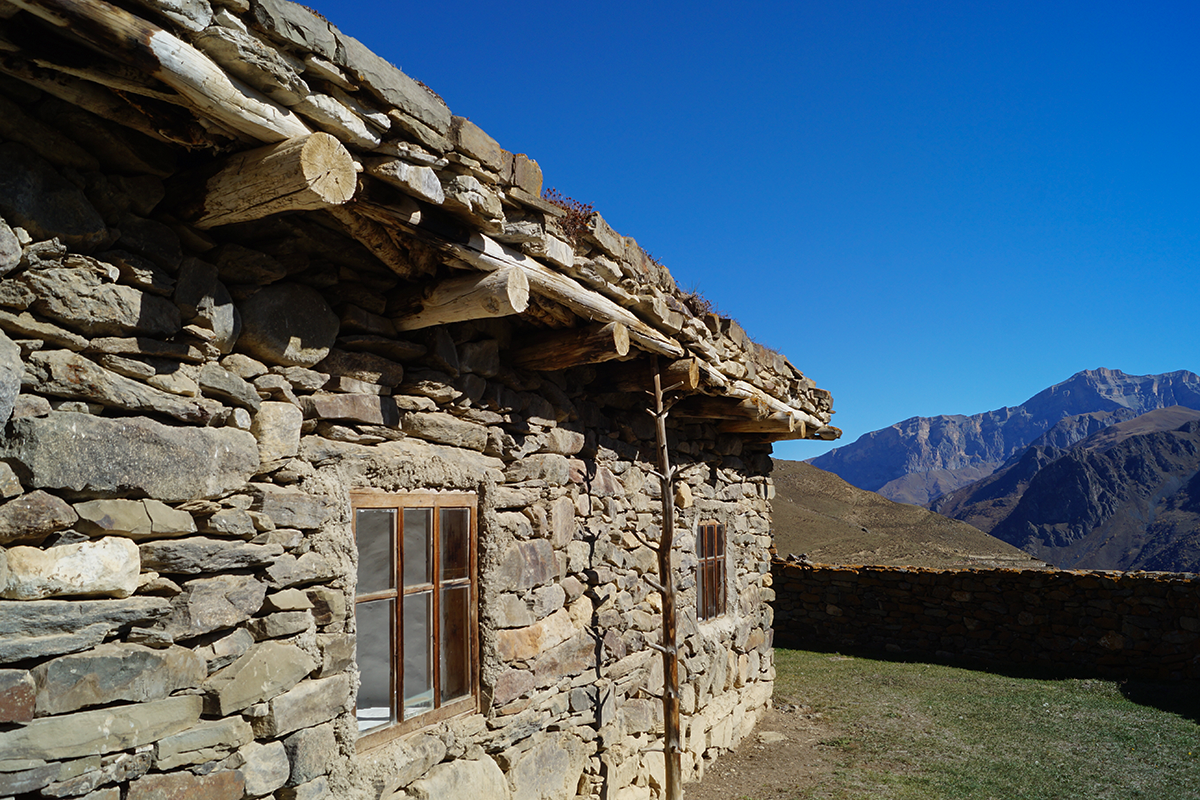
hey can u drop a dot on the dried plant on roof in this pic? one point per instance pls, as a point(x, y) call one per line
point(575, 222)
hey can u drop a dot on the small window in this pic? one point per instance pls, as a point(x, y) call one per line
point(710, 579)
point(417, 627)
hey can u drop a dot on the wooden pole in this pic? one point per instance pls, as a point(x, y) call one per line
point(307, 173)
point(672, 744)
point(475, 296)
point(702, 406)
point(682, 374)
point(571, 348)
point(117, 33)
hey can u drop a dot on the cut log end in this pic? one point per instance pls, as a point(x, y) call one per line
point(328, 169)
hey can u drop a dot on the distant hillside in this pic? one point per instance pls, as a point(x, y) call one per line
point(920, 459)
point(1126, 497)
point(820, 515)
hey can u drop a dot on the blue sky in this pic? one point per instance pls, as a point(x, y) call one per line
point(931, 208)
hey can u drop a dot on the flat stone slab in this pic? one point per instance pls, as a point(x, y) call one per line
point(114, 672)
point(103, 457)
point(40, 628)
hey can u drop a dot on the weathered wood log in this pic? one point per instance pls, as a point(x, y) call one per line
point(117, 33)
point(682, 375)
point(779, 422)
point(483, 252)
point(702, 406)
point(572, 348)
point(302, 174)
point(475, 296)
point(744, 391)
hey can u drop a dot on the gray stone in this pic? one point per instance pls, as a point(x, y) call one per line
point(296, 25)
point(328, 604)
point(415, 755)
point(65, 374)
point(265, 767)
point(280, 624)
point(511, 684)
point(571, 657)
point(225, 650)
point(263, 672)
point(549, 770)
point(563, 442)
point(81, 294)
point(550, 467)
point(210, 604)
point(113, 672)
point(105, 568)
point(34, 196)
point(106, 457)
point(288, 324)
point(216, 382)
point(510, 611)
point(337, 118)
point(310, 751)
point(103, 731)
point(192, 15)
point(117, 517)
point(150, 239)
point(276, 426)
point(210, 740)
point(470, 139)
point(524, 565)
point(288, 506)
point(248, 58)
point(391, 84)
point(17, 695)
point(418, 181)
point(287, 600)
point(33, 517)
point(204, 300)
point(230, 522)
point(463, 778)
point(237, 264)
point(436, 426)
point(10, 249)
point(337, 653)
point(196, 554)
point(223, 785)
point(11, 370)
point(309, 704)
point(480, 358)
point(167, 521)
point(301, 378)
point(42, 628)
point(365, 367)
point(291, 571)
point(366, 408)
point(316, 789)
point(140, 272)
point(466, 195)
point(244, 366)
point(20, 781)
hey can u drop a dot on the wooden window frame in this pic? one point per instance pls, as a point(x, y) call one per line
point(401, 501)
point(711, 570)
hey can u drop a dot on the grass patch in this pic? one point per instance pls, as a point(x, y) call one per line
point(912, 730)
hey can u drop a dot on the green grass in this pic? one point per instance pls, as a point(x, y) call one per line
point(912, 730)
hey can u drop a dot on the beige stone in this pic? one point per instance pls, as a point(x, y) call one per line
point(105, 568)
point(276, 426)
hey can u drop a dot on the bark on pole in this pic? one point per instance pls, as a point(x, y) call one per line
point(478, 296)
point(672, 748)
point(307, 173)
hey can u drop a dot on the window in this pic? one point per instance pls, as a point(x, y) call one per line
point(416, 609)
point(710, 577)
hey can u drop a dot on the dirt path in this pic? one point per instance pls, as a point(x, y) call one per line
point(780, 760)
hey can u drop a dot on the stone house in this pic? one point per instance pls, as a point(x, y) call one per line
point(325, 468)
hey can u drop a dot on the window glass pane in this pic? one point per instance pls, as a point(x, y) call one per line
point(702, 541)
point(418, 542)
point(375, 532)
point(456, 543)
point(718, 540)
point(455, 643)
point(376, 626)
point(418, 653)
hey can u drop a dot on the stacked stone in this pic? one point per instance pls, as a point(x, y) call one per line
point(1124, 625)
point(186, 413)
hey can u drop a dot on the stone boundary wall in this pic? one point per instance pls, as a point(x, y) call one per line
point(1129, 625)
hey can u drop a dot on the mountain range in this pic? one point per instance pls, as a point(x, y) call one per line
point(1126, 497)
point(923, 458)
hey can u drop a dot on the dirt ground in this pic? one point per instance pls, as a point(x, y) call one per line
point(778, 761)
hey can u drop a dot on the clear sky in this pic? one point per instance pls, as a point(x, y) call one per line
point(930, 207)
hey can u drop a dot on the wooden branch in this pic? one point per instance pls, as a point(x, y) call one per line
point(116, 32)
point(702, 406)
point(683, 374)
point(571, 348)
point(372, 235)
point(779, 422)
point(485, 253)
point(475, 296)
point(303, 174)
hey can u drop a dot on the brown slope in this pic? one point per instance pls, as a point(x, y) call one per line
point(818, 514)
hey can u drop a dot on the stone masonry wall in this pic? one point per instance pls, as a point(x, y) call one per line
point(1131, 625)
point(184, 422)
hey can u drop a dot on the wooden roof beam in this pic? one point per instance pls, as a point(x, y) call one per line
point(571, 348)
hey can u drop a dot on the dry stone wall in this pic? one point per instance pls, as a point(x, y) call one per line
point(186, 412)
point(1125, 625)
